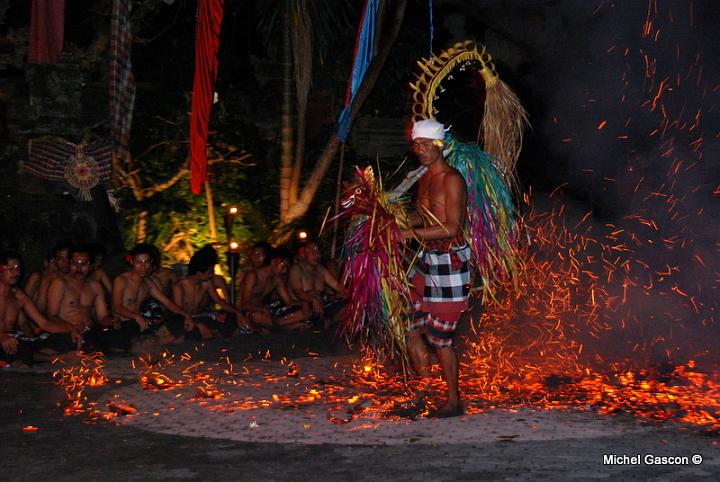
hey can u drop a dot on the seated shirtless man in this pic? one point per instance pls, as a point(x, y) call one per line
point(190, 294)
point(60, 259)
point(15, 346)
point(165, 278)
point(310, 282)
point(32, 284)
point(129, 292)
point(259, 284)
point(77, 299)
point(256, 258)
point(97, 272)
point(218, 283)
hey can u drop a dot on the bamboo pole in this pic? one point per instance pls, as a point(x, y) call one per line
point(211, 211)
point(337, 200)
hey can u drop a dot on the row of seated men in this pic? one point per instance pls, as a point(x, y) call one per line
point(74, 305)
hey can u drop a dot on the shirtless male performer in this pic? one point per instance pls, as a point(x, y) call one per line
point(32, 286)
point(191, 292)
point(97, 271)
point(164, 277)
point(209, 255)
point(60, 259)
point(32, 283)
point(309, 281)
point(441, 274)
point(76, 298)
point(14, 345)
point(256, 259)
point(287, 314)
point(131, 289)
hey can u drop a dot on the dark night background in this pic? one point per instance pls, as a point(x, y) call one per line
point(622, 96)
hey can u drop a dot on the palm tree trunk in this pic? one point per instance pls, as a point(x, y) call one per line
point(211, 211)
point(141, 227)
point(302, 48)
point(286, 128)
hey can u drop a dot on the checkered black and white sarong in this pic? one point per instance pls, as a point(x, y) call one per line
point(446, 273)
point(445, 292)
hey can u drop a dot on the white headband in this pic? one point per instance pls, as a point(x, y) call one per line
point(428, 129)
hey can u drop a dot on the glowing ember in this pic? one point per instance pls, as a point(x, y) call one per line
point(293, 370)
point(75, 379)
point(121, 408)
point(207, 392)
point(157, 381)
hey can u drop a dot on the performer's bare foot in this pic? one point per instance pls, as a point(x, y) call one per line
point(449, 410)
point(411, 409)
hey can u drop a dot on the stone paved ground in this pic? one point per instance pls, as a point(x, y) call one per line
point(173, 437)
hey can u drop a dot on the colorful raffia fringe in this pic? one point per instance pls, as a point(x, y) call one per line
point(373, 267)
point(491, 225)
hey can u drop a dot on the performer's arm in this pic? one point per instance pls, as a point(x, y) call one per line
point(102, 313)
point(118, 305)
point(104, 280)
point(217, 282)
point(296, 285)
point(247, 301)
point(224, 305)
point(32, 284)
point(175, 304)
point(283, 292)
point(331, 281)
point(157, 293)
point(52, 323)
point(8, 344)
point(414, 219)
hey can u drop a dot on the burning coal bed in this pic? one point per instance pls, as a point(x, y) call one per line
point(365, 393)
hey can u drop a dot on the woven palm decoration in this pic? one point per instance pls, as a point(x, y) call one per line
point(82, 166)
